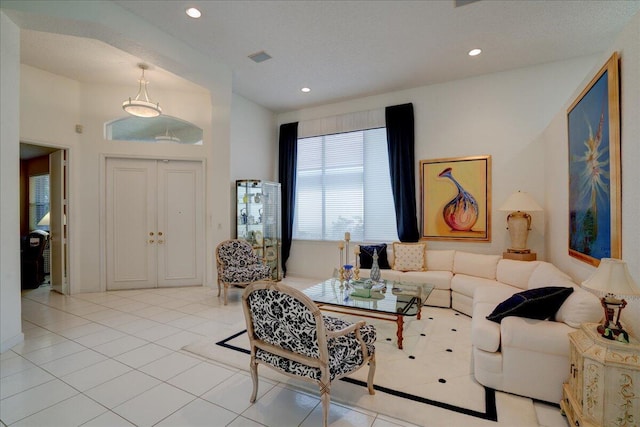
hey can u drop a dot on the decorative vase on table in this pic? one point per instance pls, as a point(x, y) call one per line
point(348, 272)
point(461, 213)
point(375, 268)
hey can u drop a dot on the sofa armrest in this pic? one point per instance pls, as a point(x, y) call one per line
point(485, 334)
point(541, 336)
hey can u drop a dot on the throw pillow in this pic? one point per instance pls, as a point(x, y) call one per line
point(409, 256)
point(539, 303)
point(366, 256)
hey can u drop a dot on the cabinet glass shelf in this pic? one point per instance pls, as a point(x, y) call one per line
point(258, 219)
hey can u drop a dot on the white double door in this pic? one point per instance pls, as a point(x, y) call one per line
point(154, 223)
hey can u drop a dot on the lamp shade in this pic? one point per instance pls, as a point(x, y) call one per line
point(612, 277)
point(520, 201)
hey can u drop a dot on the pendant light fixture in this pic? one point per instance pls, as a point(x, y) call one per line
point(141, 106)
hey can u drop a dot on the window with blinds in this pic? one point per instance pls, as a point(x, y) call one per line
point(343, 184)
point(38, 201)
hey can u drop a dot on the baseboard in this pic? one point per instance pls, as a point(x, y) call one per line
point(11, 342)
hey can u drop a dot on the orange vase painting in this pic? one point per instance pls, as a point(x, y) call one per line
point(455, 198)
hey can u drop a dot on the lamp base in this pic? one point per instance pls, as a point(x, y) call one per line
point(612, 329)
point(518, 251)
point(518, 224)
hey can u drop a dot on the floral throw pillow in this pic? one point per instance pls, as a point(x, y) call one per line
point(410, 256)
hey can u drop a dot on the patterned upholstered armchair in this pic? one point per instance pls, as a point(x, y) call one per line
point(288, 333)
point(238, 265)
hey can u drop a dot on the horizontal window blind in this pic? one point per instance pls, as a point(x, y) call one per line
point(343, 184)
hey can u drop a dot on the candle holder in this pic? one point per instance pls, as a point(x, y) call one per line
point(348, 272)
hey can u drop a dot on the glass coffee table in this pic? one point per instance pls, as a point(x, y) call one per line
point(386, 300)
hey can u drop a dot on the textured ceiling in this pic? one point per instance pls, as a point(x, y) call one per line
point(350, 49)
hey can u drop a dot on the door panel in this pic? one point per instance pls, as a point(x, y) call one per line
point(180, 221)
point(57, 238)
point(131, 224)
point(154, 223)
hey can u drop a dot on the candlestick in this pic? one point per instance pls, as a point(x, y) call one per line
point(346, 261)
point(347, 236)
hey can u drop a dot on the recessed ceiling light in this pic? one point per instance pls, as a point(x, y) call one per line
point(475, 52)
point(305, 89)
point(193, 12)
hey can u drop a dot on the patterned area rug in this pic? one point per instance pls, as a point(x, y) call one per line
point(433, 369)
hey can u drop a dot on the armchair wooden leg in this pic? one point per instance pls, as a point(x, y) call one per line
point(326, 402)
point(254, 377)
point(218, 287)
point(226, 286)
point(372, 371)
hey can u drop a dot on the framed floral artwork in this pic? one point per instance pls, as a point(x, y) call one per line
point(594, 168)
point(456, 199)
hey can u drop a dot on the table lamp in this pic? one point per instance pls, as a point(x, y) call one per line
point(519, 221)
point(612, 282)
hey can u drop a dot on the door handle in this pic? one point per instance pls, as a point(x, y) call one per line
point(160, 242)
point(151, 240)
point(159, 233)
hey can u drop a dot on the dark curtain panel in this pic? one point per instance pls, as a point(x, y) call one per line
point(287, 162)
point(400, 142)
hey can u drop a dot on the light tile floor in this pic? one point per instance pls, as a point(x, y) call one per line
point(114, 359)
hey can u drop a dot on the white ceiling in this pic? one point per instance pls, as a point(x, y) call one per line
point(346, 49)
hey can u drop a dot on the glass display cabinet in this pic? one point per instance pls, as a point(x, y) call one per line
point(259, 220)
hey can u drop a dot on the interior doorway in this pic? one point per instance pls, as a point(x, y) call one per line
point(43, 211)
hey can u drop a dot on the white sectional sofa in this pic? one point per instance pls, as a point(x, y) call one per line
point(518, 355)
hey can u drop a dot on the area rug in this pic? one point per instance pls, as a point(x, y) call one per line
point(434, 368)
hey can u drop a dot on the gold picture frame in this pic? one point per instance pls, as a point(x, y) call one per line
point(593, 124)
point(456, 199)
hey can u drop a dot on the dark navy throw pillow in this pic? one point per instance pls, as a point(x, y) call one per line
point(366, 256)
point(539, 303)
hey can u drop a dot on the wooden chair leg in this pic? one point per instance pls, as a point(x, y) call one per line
point(326, 402)
point(218, 287)
point(372, 371)
point(254, 377)
point(226, 286)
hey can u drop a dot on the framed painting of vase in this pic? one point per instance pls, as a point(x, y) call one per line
point(593, 123)
point(456, 199)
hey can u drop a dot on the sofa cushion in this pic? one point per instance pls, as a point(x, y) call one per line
point(515, 273)
point(467, 285)
point(440, 279)
point(440, 260)
point(539, 303)
point(409, 256)
point(535, 336)
point(478, 265)
point(366, 256)
point(547, 274)
point(580, 307)
point(384, 274)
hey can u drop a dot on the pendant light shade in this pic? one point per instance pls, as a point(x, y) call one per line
point(141, 106)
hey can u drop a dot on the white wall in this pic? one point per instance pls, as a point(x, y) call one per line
point(254, 146)
point(556, 184)
point(501, 115)
point(46, 118)
point(10, 310)
point(51, 106)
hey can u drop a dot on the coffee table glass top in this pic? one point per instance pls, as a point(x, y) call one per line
point(385, 297)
